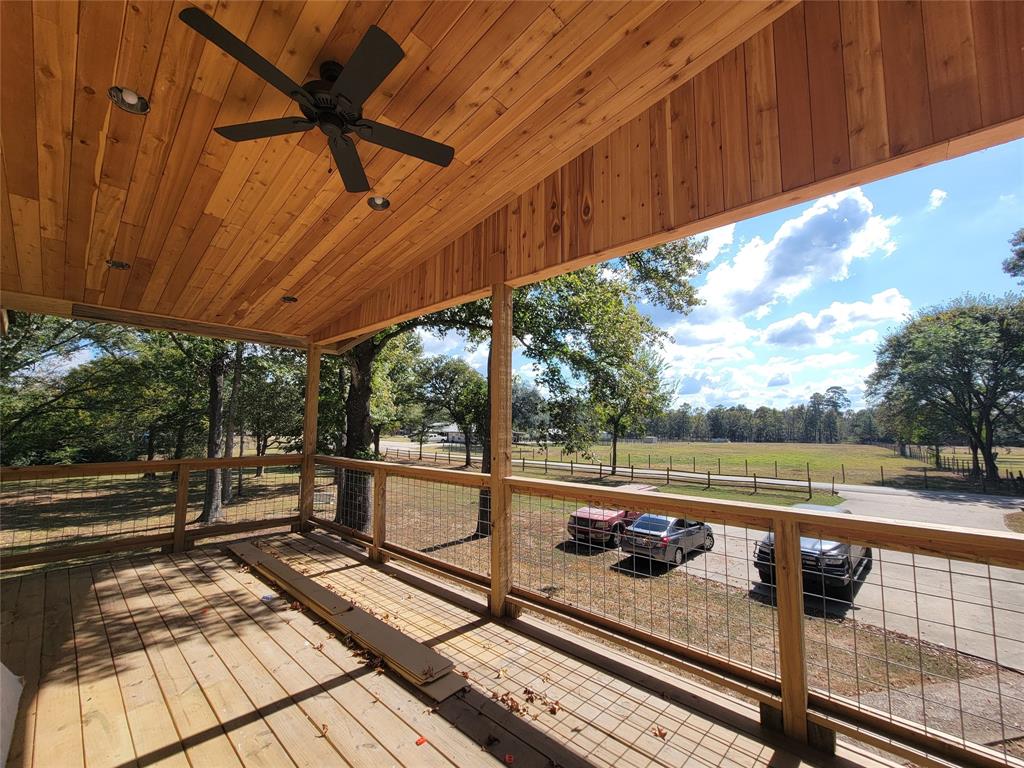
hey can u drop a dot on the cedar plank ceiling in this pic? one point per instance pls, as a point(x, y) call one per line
point(218, 232)
point(580, 129)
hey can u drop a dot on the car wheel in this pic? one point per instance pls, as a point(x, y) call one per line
point(709, 541)
point(679, 556)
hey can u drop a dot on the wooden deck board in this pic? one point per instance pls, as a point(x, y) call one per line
point(194, 660)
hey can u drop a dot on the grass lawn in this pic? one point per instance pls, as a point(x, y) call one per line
point(856, 464)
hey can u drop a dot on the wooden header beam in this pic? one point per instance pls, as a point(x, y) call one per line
point(830, 95)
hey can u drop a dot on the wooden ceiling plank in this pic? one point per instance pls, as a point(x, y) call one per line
point(179, 59)
point(830, 129)
point(952, 68)
point(797, 150)
point(683, 140)
point(25, 225)
point(762, 117)
point(145, 28)
point(210, 83)
point(100, 28)
point(996, 54)
point(269, 34)
point(224, 255)
point(18, 100)
point(55, 41)
point(295, 58)
point(9, 269)
point(735, 163)
point(907, 100)
point(505, 34)
point(865, 84)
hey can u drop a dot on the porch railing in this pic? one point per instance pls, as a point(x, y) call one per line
point(923, 656)
point(63, 512)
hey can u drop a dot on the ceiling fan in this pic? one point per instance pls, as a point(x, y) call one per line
point(334, 103)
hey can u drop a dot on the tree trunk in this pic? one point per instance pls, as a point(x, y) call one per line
point(262, 441)
point(375, 431)
point(241, 452)
point(181, 433)
point(988, 453)
point(212, 510)
point(150, 450)
point(353, 504)
point(975, 466)
point(467, 435)
point(229, 424)
point(938, 457)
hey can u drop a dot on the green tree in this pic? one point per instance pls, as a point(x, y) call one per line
point(957, 367)
point(453, 387)
point(1014, 263)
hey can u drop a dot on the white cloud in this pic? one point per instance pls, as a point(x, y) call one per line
point(818, 245)
point(936, 198)
point(719, 240)
point(822, 328)
point(869, 336)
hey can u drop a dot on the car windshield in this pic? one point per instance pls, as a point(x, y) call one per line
point(654, 523)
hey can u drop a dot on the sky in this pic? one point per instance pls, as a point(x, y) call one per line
point(798, 300)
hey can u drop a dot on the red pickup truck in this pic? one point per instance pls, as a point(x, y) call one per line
point(601, 525)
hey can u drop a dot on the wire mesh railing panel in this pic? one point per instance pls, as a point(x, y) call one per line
point(933, 641)
point(680, 578)
point(52, 512)
point(446, 522)
point(344, 496)
point(242, 495)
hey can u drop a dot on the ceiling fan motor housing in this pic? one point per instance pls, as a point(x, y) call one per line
point(333, 114)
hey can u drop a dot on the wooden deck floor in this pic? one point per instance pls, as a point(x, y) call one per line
point(193, 660)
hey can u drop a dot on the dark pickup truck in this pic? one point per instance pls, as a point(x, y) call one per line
point(833, 565)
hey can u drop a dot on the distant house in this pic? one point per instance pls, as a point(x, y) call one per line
point(451, 433)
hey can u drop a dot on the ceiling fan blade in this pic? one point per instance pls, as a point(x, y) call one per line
point(261, 129)
point(372, 61)
point(349, 165)
point(206, 26)
point(405, 142)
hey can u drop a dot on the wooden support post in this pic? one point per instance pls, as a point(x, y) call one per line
point(500, 374)
point(380, 515)
point(789, 590)
point(307, 481)
point(181, 508)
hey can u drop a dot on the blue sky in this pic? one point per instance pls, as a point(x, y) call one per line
point(797, 300)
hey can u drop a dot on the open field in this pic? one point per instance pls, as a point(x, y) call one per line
point(845, 462)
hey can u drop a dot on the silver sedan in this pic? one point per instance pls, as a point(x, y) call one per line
point(668, 539)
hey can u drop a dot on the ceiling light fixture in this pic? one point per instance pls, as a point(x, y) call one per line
point(128, 100)
point(115, 264)
point(379, 203)
point(289, 299)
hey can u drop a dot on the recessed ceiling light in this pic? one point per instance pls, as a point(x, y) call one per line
point(289, 299)
point(128, 100)
point(115, 264)
point(379, 203)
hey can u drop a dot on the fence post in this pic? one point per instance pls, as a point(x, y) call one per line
point(810, 490)
point(572, 468)
point(545, 463)
point(709, 479)
point(926, 478)
point(181, 508)
point(380, 520)
point(630, 473)
point(719, 465)
point(789, 596)
point(648, 461)
point(746, 468)
point(843, 467)
point(695, 465)
point(670, 463)
point(600, 470)
point(776, 469)
point(833, 484)
point(755, 483)
point(881, 471)
point(668, 480)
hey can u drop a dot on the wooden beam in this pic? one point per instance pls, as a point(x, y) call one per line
point(500, 380)
point(309, 433)
point(380, 512)
point(39, 305)
point(181, 507)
